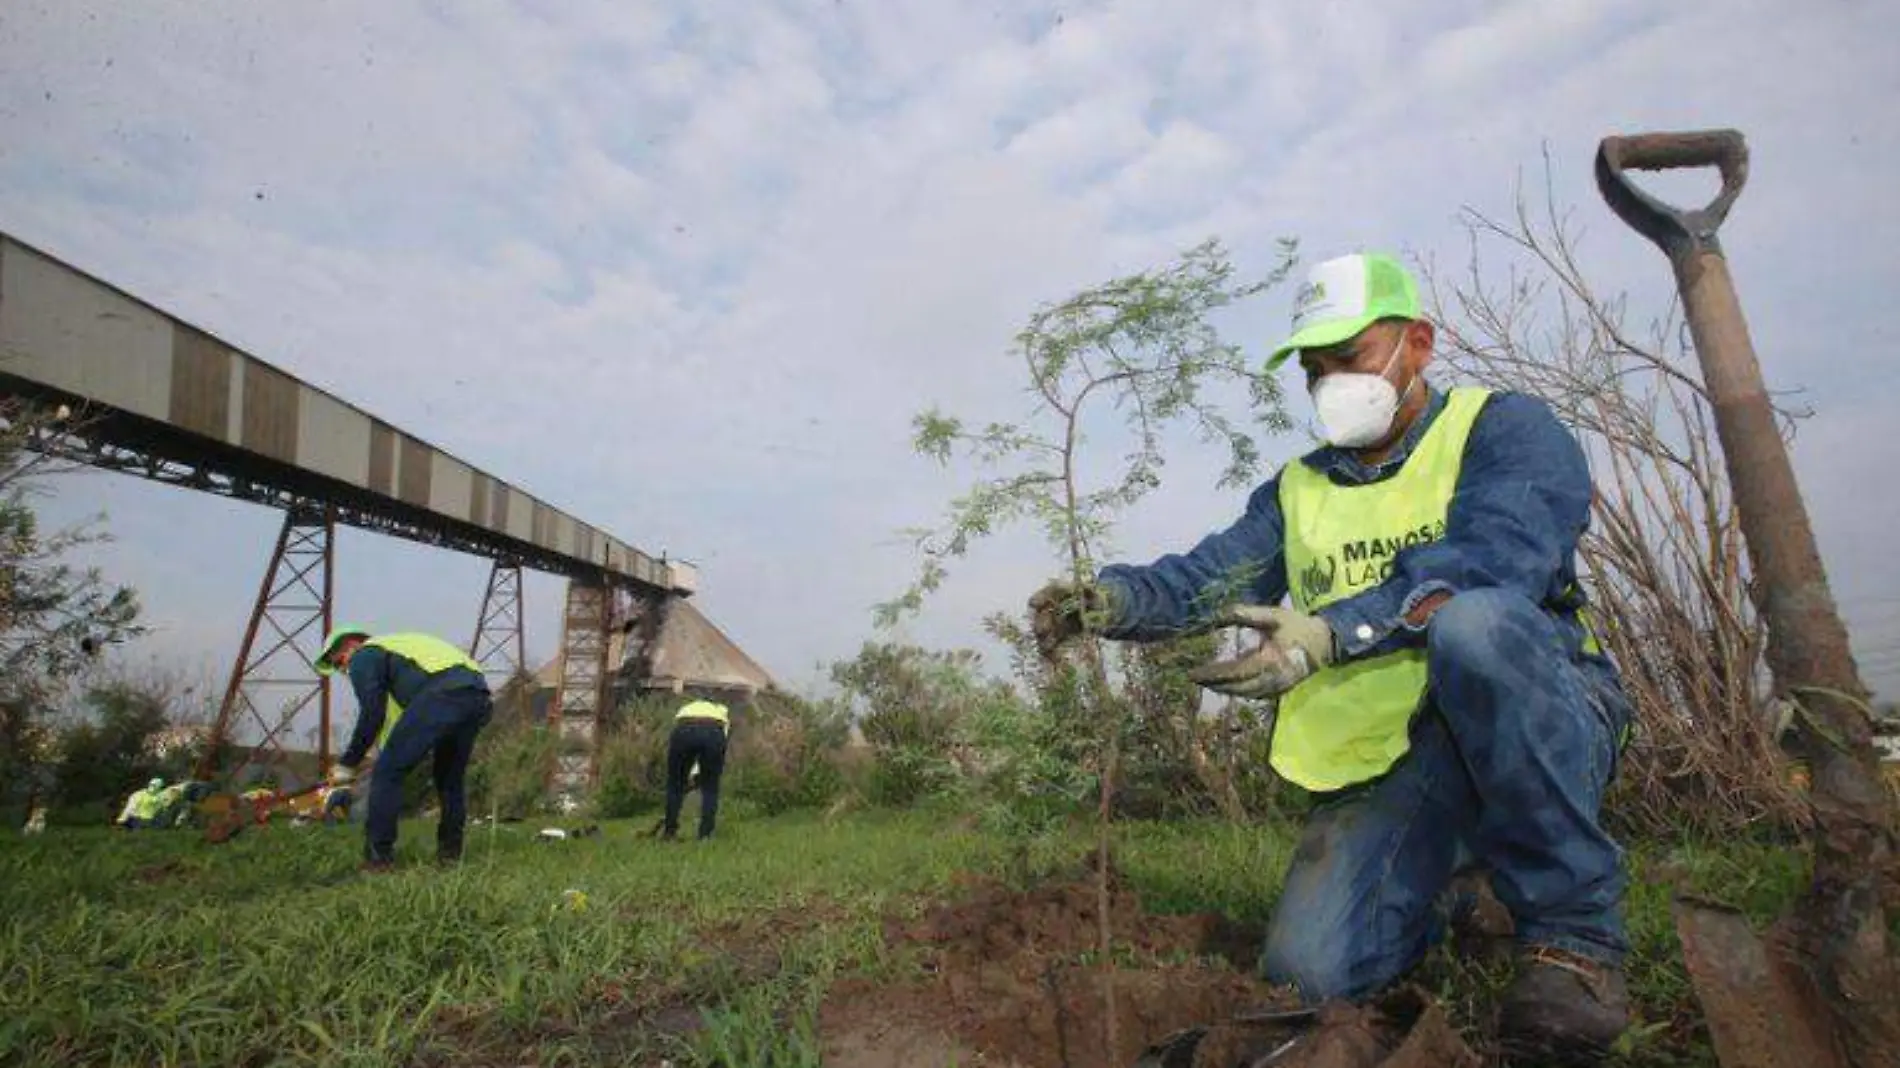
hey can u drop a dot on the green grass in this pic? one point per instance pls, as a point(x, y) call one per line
point(270, 950)
point(156, 949)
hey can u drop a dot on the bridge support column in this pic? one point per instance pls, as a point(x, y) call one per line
point(580, 698)
point(646, 617)
point(274, 679)
point(500, 644)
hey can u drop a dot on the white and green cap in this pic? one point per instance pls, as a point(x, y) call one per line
point(1343, 296)
point(331, 641)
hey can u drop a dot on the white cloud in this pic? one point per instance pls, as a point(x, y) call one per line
point(1074, 143)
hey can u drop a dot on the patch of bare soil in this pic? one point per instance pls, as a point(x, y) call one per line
point(162, 872)
point(1011, 984)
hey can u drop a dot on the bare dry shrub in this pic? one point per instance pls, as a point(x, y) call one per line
point(1664, 561)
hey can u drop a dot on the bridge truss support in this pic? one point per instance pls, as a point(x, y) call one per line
point(600, 621)
point(500, 643)
point(581, 694)
point(274, 679)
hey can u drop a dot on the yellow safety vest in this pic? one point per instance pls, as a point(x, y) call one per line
point(146, 804)
point(431, 654)
point(705, 710)
point(1349, 722)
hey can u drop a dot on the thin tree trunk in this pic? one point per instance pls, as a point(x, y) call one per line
point(1098, 703)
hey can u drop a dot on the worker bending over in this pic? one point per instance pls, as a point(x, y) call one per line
point(698, 738)
point(1439, 690)
point(417, 696)
point(142, 809)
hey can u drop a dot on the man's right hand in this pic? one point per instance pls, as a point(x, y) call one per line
point(1056, 612)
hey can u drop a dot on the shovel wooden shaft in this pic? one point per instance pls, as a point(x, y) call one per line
point(1807, 642)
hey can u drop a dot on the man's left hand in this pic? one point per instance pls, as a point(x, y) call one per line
point(1294, 645)
point(341, 776)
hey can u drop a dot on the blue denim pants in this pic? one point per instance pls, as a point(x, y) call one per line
point(1511, 754)
point(694, 743)
point(442, 725)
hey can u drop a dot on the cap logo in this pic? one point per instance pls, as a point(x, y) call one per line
point(1311, 297)
point(1335, 289)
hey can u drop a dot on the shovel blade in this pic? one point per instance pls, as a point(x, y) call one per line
point(1173, 1051)
point(1752, 993)
point(1404, 1028)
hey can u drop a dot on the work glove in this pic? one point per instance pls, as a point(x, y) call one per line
point(341, 776)
point(1294, 645)
point(1056, 612)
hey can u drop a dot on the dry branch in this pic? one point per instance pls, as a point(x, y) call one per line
point(1664, 561)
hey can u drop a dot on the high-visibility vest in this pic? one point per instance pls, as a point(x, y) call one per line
point(431, 654)
point(146, 804)
point(1349, 722)
point(705, 710)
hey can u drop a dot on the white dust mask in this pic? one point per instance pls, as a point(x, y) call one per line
point(1356, 409)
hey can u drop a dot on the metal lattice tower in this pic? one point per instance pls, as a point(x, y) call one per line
point(581, 695)
point(274, 679)
point(500, 644)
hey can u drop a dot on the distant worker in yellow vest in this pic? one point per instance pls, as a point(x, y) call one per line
point(142, 809)
point(1439, 690)
point(417, 696)
point(698, 740)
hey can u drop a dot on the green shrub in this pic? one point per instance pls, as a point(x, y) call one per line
point(1031, 770)
point(903, 775)
point(509, 773)
point(632, 776)
point(911, 705)
point(789, 754)
point(105, 757)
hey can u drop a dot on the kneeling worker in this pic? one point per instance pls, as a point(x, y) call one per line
point(699, 737)
point(416, 696)
point(1438, 686)
point(142, 808)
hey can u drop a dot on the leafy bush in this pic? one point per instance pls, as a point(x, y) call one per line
point(509, 772)
point(56, 616)
point(109, 754)
point(791, 753)
point(910, 704)
point(1033, 769)
point(633, 758)
point(1166, 768)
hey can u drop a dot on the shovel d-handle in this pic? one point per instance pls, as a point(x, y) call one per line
point(1680, 232)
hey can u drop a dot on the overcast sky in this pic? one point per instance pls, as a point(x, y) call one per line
point(688, 269)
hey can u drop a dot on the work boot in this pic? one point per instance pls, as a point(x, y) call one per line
point(1479, 924)
point(377, 867)
point(445, 858)
point(1562, 1009)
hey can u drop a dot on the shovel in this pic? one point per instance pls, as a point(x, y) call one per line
point(1824, 990)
